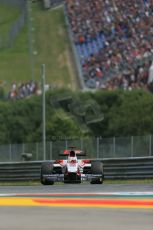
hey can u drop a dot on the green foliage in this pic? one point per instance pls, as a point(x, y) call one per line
point(2, 93)
point(133, 116)
point(125, 114)
point(21, 121)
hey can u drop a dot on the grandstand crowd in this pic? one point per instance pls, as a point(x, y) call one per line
point(114, 40)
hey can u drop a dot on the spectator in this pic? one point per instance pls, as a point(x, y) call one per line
point(113, 37)
point(24, 90)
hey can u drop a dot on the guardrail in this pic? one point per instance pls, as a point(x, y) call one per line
point(128, 168)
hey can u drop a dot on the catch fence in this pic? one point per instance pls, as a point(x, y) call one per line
point(103, 148)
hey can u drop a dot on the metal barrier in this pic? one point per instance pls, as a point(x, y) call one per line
point(20, 171)
point(128, 168)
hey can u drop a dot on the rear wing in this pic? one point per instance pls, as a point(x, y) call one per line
point(66, 152)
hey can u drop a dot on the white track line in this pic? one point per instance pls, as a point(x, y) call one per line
point(79, 194)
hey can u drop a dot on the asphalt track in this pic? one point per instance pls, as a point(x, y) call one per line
point(78, 188)
point(77, 207)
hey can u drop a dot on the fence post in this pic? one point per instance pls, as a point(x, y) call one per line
point(97, 147)
point(101, 147)
point(66, 144)
point(37, 151)
point(114, 147)
point(150, 145)
point(50, 150)
point(131, 146)
point(10, 153)
point(23, 148)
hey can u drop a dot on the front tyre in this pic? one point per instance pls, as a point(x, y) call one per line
point(46, 169)
point(97, 169)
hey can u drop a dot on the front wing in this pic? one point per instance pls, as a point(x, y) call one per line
point(60, 177)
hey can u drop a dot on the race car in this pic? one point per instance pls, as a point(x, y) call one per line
point(72, 170)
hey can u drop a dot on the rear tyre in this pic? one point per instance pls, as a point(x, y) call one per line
point(97, 168)
point(46, 168)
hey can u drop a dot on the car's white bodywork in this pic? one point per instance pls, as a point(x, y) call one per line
point(73, 169)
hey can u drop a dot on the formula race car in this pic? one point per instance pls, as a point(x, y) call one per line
point(72, 170)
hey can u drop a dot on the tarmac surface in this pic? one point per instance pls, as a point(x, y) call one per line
point(46, 218)
point(77, 218)
point(77, 188)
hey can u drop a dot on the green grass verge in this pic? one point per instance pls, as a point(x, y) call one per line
point(132, 181)
point(7, 16)
point(50, 45)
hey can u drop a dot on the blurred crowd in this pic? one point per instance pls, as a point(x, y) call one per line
point(122, 33)
point(27, 89)
point(23, 90)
